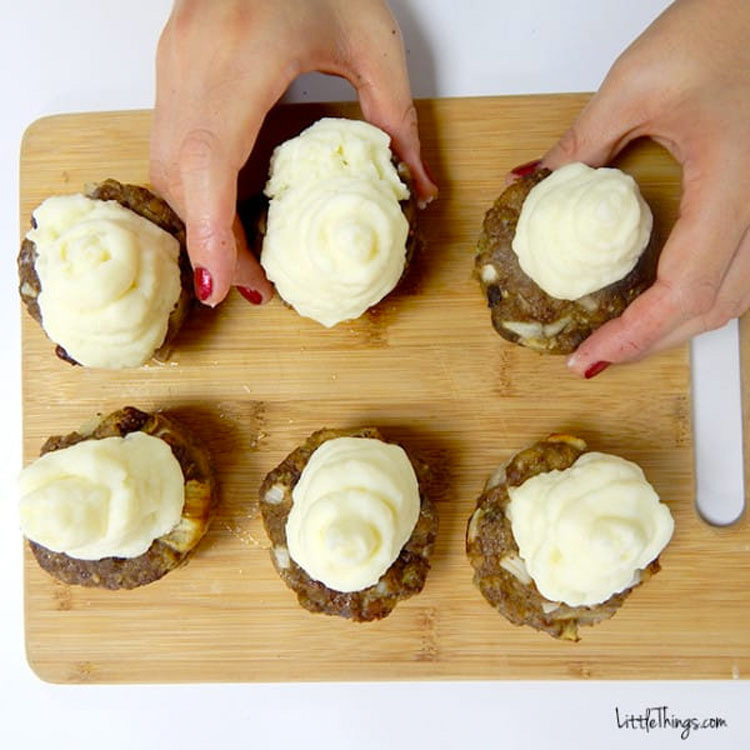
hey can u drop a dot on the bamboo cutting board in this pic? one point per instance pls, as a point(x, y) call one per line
point(425, 366)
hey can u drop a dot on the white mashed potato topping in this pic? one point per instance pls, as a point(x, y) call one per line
point(354, 507)
point(109, 280)
point(581, 229)
point(102, 498)
point(587, 532)
point(335, 241)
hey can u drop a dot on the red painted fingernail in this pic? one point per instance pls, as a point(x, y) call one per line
point(525, 169)
point(203, 282)
point(253, 296)
point(595, 369)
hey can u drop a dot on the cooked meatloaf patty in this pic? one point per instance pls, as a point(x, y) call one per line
point(253, 214)
point(405, 577)
point(499, 572)
point(166, 552)
point(144, 203)
point(524, 313)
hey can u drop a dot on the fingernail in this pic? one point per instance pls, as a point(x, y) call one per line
point(525, 169)
point(203, 283)
point(253, 296)
point(595, 369)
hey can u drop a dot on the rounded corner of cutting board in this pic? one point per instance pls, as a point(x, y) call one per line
point(35, 128)
point(42, 670)
point(52, 124)
point(42, 122)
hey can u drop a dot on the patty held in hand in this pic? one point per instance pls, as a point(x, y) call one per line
point(561, 253)
point(340, 225)
point(120, 504)
point(332, 504)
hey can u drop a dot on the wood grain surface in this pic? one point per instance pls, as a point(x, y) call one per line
point(426, 367)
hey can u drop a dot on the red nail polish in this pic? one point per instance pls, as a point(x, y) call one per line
point(203, 282)
point(526, 169)
point(595, 369)
point(253, 296)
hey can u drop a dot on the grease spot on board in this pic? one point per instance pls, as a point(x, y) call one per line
point(82, 671)
point(580, 670)
point(503, 374)
point(681, 417)
point(63, 596)
point(426, 625)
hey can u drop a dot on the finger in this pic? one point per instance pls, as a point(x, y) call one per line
point(183, 181)
point(169, 113)
point(248, 276)
point(201, 182)
point(631, 336)
point(732, 300)
point(162, 174)
point(206, 121)
point(188, 166)
point(383, 88)
point(604, 127)
point(208, 179)
point(687, 285)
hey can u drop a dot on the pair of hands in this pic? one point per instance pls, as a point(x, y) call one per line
point(685, 83)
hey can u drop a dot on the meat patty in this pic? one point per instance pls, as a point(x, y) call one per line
point(144, 203)
point(524, 313)
point(166, 552)
point(253, 214)
point(404, 578)
point(499, 572)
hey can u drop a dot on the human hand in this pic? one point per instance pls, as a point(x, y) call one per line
point(221, 65)
point(685, 82)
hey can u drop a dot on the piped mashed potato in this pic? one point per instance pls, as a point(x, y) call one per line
point(354, 507)
point(335, 242)
point(109, 280)
point(585, 533)
point(102, 498)
point(581, 229)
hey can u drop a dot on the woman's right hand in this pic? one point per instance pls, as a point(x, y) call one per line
point(685, 82)
point(221, 65)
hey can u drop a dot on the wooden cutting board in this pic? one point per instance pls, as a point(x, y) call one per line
point(426, 366)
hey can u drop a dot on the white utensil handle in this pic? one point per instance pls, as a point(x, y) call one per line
point(717, 425)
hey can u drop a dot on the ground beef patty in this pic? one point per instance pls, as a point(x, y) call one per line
point(524, 313)
point(403, 579)
point(166, 552)
point(499, 571)
point(253, 214)
point(144, 203)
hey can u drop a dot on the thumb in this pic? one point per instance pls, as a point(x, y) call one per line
point(603, 128)
point(692, 268)
point(209, 195)
point(385, 98)
point(399, 120)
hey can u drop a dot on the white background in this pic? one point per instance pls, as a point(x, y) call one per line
point(82, 55)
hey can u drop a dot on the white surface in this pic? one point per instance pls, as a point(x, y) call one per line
point(719, 476)
point(83, 55)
